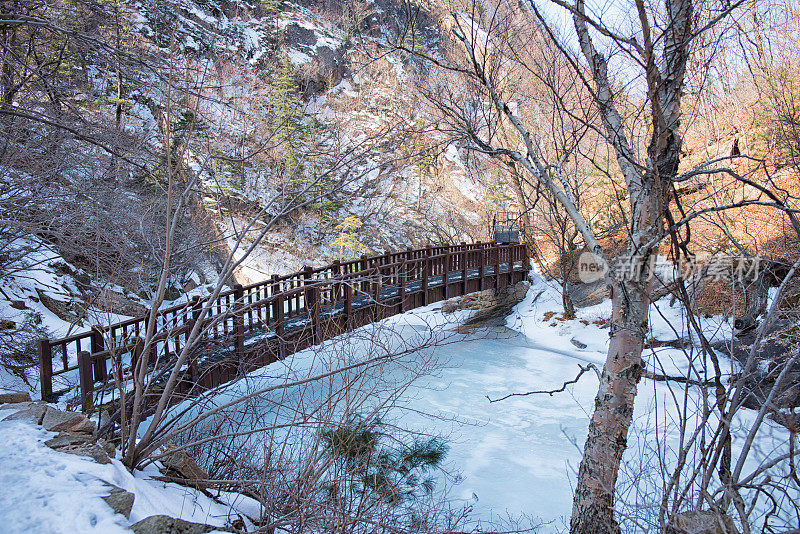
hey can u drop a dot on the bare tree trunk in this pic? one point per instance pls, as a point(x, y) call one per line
point(631, 291)
point(593, 503)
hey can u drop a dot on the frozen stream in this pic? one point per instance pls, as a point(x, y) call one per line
point(517, 457)
point(514, 456)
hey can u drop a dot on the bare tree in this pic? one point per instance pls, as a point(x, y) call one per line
point(478, 96)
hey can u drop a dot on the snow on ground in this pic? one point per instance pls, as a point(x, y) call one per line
point(41, 273)
point(516, 457)
point(42, 490)
point(520, 456)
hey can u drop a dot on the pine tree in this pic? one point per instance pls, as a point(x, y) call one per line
point(288, 110)
point(421, 158)
point(348, 237)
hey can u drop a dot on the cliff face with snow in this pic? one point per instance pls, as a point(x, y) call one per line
point(306, 111)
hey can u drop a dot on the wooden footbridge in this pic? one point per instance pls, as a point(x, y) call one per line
point(251, 326)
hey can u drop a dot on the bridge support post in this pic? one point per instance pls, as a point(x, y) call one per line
point(45, 368)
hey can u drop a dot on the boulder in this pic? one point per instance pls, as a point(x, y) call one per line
point(118, 303)
point(86, 426)
point(92, 450)
point(326, 70)
point(14, 397)
point(64, 440)
point(33, 412)
point(119, 500)
point(109, 447)
point(584, 295)
point(58, 421)
point(701, 522)
point(19, 305)
point(79, 445)
point(491, 306)
point(162, 524)
point(62, 310)
point(488, 299)
point(790, 420)
point(178, 463)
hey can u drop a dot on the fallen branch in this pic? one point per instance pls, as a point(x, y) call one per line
point(550, 392)
point(682, 379)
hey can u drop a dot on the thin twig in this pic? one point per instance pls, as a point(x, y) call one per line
point(550, 392)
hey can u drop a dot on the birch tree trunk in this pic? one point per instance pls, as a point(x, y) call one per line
point(648, 185)
point(593, 503)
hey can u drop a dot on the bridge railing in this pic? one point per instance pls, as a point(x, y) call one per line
point(288, 312)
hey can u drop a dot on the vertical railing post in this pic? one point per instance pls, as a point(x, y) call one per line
point(464, 268)
point(238, 320)
point(197, 307)
point(97, 344)
point(377, 291)
point(507, 262)
point(45, 368)
point(312, 303)
point(363, 286)
point(497, 267)
point(426, 274)
point(446, 274)
point(525, 260)
point(96, 341)
point(279, 326)
point(274, 288)
point(86, 380)
point(194, 371)
point(316, 293)
point(480, 252)
point(402, 276)
point(336, 269)
point(348, 305)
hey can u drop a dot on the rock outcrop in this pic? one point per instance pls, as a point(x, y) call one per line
point(162, 524)
point(701, 522)
point(119, 500)
point(178, 466)
point(491, 307)
point(14, 397)
point(76, 431)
